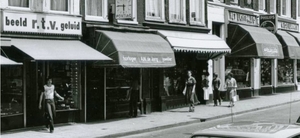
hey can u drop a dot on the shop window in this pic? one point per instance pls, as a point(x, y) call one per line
point(273, 6)
point(286, 8)
point(240, 68)
point(248, 4)
point(155, 10)
point(11, 90)
point(262, 5)
point(96, 10)
point(177, 11)
point(197, 12)
point(19, 3)
point(66, 79)
point(59, 5)
point(265, 72)
point(285, 71)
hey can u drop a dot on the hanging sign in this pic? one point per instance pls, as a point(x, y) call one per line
point(268, 21)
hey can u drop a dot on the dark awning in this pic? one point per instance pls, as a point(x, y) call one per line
point(6, 61)
point(42, 49)
point(254, 42)
point(135, 50)
point(297, 37)
point(291, 48)
point(208, 45)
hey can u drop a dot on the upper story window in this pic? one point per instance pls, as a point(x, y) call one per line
point(19, 3)
point(126, 11)
point(155, 10)
point(177, 11)
point(286, 8)
point(96, 10)
point(59, 5)
point(249, 4)
point(262, 5)
point(197, 12)
point(234, 2)
point(298, 8)
point(272, 6)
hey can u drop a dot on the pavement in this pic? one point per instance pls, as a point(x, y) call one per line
point(154, 121)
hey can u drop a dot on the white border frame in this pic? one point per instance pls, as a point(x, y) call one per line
point(162, 16)
point(134, 15)
point(103, 18)
point(202, 22)
point(4, 4)
point(288, 8)
point(182, 22)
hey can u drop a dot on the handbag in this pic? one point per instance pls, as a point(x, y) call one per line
point(184, 91)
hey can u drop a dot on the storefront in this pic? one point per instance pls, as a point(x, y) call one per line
point(135, 54)
point(255, 51)
point(47, 51)
point(193, 51)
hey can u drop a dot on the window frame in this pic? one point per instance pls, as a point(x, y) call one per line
point(249, 6)
point(275, 8)
point(202, 22)
point(184, 14)
point(288, 8)
point(264, 6)
point(6, 4)
point(59, 12)
point(162, 16)
point(134, 15)
point(103, 18)
point(298, 8)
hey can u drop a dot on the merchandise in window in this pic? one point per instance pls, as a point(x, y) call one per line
point(18, 3)
point(265, 72)
point(177, 11)
point(197, 12)
point(94, 7)
point(154, 9)
point(11, 90)
point(59, 5)
point(240, 68)
point(66, 76)
point(248, 4)
point(285, 71)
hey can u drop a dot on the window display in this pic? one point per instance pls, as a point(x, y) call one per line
point(66, 77)
point(285, 71)
point(265, 72)
point(11, 90)
point(240, 68)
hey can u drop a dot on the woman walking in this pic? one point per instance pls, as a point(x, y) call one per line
point(231, 88)
point(48, 103)
point(191, 96)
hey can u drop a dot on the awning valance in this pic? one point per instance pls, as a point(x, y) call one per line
point(6, 61)
point(208, 44)
point(290, 47)
point(254, 42)
point(135, 50)
point(41, 49)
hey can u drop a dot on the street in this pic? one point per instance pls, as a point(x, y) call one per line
point(279, 114)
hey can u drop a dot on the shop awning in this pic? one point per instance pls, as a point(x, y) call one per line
point(291, 48)
point(254, 42)
point(57, 49)
point(211, 45)
point(135, 50)
point(6, 61)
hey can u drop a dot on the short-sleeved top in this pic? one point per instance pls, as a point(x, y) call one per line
point(49, 92)
point(191, 81)
point(231, 83)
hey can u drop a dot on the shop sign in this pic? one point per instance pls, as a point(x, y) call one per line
point(147, 59)
point(41, 23)
point(242, 18)
point(270, 51)
point(288, 26)
point(268, 21)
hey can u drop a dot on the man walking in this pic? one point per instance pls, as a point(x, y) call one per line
point(216, 86)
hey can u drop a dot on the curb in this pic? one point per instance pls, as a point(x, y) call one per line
point(191, 122)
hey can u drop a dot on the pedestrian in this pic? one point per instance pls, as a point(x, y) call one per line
point(231, 86)
point(190, 91)
point(134, 96)
point(205, 85)
point(47, 96)
point(216, 86)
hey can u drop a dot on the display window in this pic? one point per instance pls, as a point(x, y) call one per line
point(285, 71)
point(11, 90)
point(66, 79)
point(240, 68)
point(265, 72)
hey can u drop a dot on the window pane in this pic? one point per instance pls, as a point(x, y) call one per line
point(273, 6)
point(240, 68)
point(248, 4)
point(177, 8)
point(94, 7)
point(196, 10)
point(59, 5)
point(18, 3)
point(262, 4)
point(265, 72)
point(285, 71)
point(299, 8)
point(283, 7)
point(154, 8)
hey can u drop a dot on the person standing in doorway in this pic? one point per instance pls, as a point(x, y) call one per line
point(216, 86)
point(134, 97)
point(231, 86)
point(190, 93)
point(205, 85)
point(48, 103)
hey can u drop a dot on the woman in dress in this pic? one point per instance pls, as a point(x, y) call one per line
point(231, 86)
point(48, 103)
point(191, 96)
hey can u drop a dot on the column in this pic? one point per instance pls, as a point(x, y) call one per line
point(255, 75)
point(274, 63)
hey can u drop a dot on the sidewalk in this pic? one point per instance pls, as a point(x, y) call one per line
point(154, 121)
